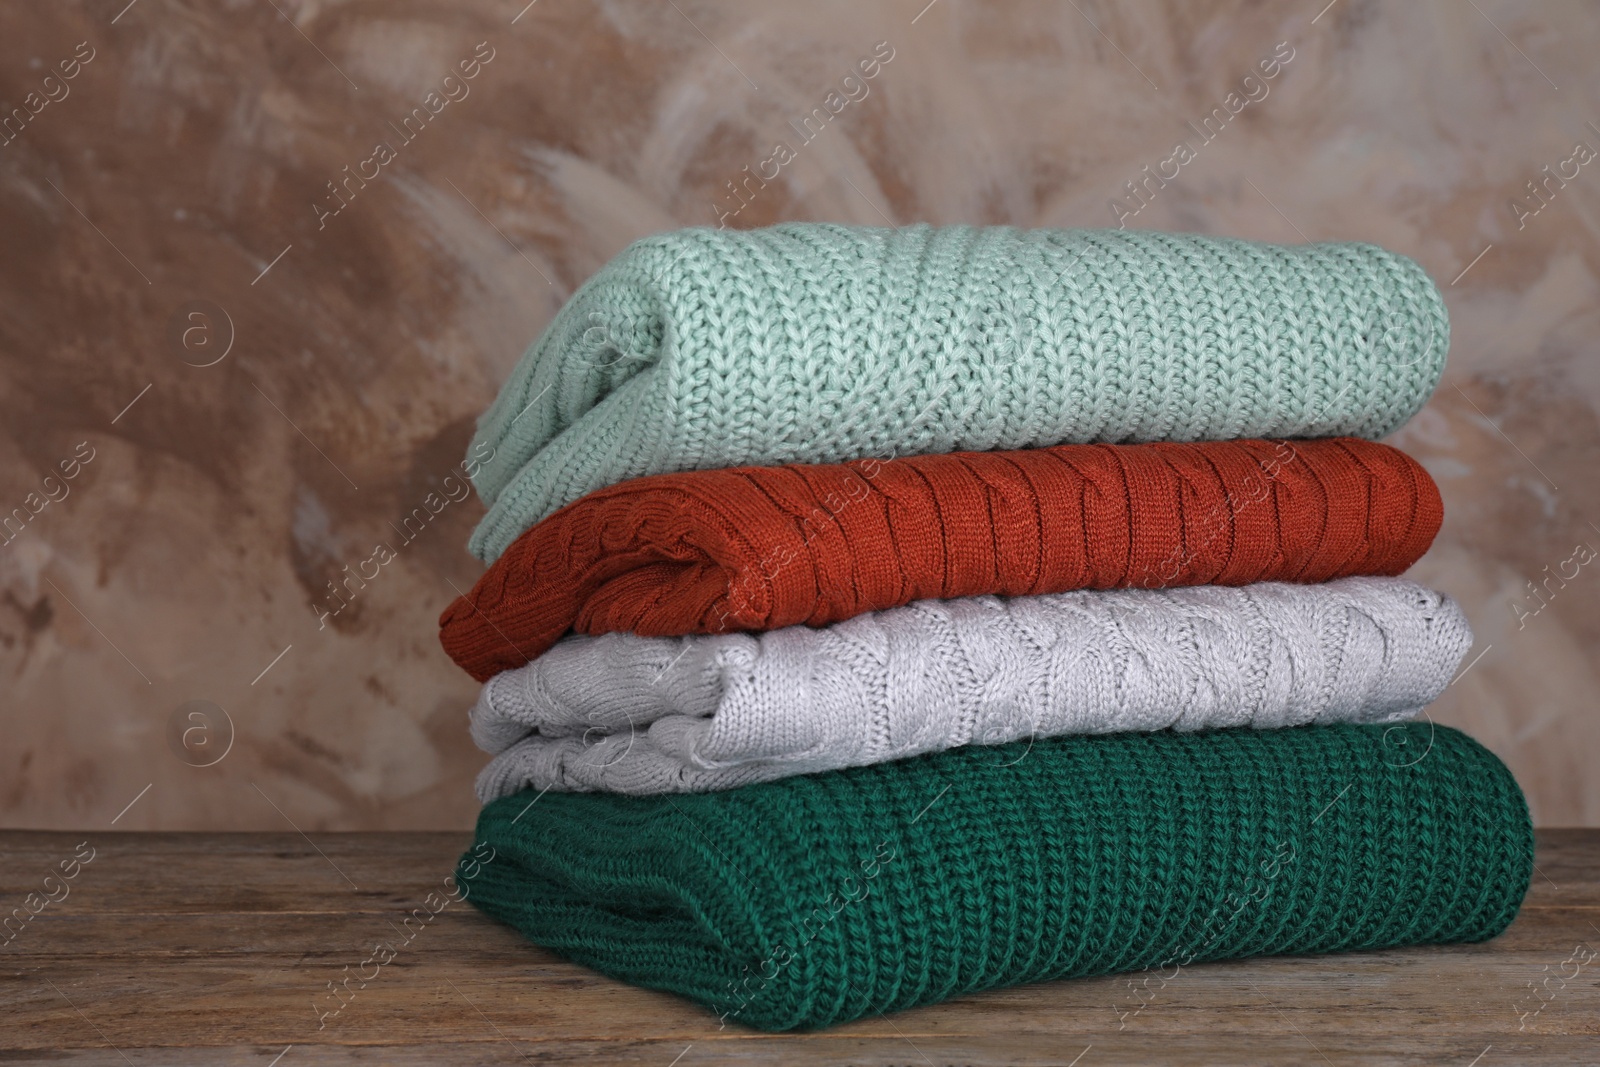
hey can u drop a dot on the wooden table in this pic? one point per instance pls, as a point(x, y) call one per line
point(219, 949)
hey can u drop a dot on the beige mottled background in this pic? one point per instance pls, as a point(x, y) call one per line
point(190, 151)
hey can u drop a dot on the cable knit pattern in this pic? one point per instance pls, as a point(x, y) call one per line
point(764, 548)
point(639, 715)
point(818, 343)
point(817, 899)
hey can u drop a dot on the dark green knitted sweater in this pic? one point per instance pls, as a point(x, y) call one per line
point(817, 899)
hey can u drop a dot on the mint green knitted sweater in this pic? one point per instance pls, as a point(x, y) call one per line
point(818, 343)
point(818, 899)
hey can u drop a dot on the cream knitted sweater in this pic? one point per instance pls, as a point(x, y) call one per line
point(654, 715)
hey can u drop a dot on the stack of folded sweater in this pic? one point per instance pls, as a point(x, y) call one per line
point(876, 616)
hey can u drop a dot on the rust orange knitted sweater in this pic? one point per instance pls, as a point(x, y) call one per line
point(757, 548)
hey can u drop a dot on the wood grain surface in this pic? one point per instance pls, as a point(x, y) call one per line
point(219, 949)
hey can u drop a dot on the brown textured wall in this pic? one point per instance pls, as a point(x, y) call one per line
point(191, 152)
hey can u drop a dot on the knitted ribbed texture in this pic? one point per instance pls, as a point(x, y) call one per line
point(763, 548)
point(818, 343)
point(660, 714)
point(817, 899)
